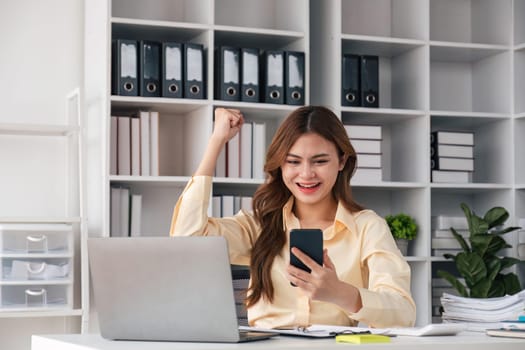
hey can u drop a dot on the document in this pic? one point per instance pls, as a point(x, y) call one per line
point(318, 330)
point(327, 331)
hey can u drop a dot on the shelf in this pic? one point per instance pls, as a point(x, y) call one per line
point(382, 18)
point(37, 220)
point(36, 282)
point(160, 104)
point(49, 312)
point(463, 52)
point(163, 10)
point(378, 46)
point(36, 130)
point(471, 21)
point(268, 14)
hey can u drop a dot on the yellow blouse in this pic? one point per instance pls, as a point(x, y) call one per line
point(359, 244)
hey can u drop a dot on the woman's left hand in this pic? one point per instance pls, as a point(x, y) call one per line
point(322, 282)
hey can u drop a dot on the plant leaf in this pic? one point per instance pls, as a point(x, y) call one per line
point(476, 225)
point(508, 261)
point(493, 267)
point(460, 239)
point(454, 282)
point(472, 267)
point(505, 230)
point(487, 244)
point(481, 289)
point(497, 289)
point(496, 216)
point(512, 283)
point(480, 243)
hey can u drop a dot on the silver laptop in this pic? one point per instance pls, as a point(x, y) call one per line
point(165, 289)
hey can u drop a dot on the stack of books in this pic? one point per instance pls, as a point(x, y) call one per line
point(226, 205)
point(443, 241)
point(509, 329)
point(481, 314)
point(241, 281)
point(366, 140)
point(452, 156)
point(134, 144)
point(243, 156)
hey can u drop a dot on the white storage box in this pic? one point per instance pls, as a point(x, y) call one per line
point(34, 269)
point(36, 238)
point(31, 297)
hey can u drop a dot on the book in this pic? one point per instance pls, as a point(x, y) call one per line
point(220, 167)
point(362, 338)
point(367, 175)
point(124, 146)
point(513, 324)
point(246, 144)
point(443, 222)
point(369, 160)
point(259, 150)
point(452, 138)
point(366, 146)
point(135, 227)
point(448, 233)
point(440, 150)
point(445, 243)
point(135, 146)
point(144, 143)
point(233, 155)
point(507, 333)
point(446, 176)
point(113, 146)
point(449, 163)
point(115, 226)
point(154, 143)
point(367, 132)
point(216, 206)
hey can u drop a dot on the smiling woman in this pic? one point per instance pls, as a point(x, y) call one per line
point(308, 168)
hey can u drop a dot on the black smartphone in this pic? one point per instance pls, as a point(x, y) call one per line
point(310, 242)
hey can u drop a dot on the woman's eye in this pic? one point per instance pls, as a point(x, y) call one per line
point(321, 161)
point(292, 162)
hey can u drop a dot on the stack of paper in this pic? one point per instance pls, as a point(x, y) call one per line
point(482, 313)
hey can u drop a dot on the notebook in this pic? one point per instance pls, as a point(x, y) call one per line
point(165, 289)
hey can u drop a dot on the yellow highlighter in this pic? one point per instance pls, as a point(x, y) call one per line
point(362, 338)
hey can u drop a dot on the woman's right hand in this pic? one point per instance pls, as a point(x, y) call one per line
point(228, 123)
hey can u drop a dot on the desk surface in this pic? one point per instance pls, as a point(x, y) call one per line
point(463, 341)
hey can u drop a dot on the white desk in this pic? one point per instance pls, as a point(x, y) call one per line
point(464, 341)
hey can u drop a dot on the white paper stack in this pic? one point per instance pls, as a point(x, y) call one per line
point(482, 313)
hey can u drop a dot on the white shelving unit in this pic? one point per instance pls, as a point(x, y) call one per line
point(185, 124)
point(60, 184)
point(454, 64)
point(444, 65)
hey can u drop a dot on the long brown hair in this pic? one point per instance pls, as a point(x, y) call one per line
point(269, 199)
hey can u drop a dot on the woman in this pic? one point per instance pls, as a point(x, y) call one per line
point(309, 163)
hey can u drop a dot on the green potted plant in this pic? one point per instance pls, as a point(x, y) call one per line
point(403, 228)
point(478, 262)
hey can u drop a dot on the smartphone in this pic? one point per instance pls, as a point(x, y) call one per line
point(310, 242)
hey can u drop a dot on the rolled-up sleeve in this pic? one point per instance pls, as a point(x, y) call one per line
point(386, 301)
point(190, 218)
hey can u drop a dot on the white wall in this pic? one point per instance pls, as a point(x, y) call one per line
point(41, 60)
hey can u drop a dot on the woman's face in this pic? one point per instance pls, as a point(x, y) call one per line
point(310, 169)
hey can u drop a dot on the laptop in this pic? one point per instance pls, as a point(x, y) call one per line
point(165, 289)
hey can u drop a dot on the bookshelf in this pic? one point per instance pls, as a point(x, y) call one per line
point(53, 231)
point(442, 66)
